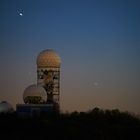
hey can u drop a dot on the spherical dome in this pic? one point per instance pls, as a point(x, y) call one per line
point(5, 107)
point(34, 94)
point(48, 58)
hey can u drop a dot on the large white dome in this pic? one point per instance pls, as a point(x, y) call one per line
point(5, 107)
point(48, 58)
point(35, 94)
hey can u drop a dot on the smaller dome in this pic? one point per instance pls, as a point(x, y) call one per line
point(48, 58)
point(34, 94)
point(5, 107)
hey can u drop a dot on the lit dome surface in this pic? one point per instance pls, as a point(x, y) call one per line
point(34, 94)
point(48, 58)
point(5, 107)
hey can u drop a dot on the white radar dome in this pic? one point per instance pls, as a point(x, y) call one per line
point(34, 94)
point(48, 58)
point(5, 107)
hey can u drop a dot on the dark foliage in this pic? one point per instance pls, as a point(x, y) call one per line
point(96, 124)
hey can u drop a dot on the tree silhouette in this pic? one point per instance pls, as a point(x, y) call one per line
point(95, 124)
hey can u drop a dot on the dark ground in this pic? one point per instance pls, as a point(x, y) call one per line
point(96, 124)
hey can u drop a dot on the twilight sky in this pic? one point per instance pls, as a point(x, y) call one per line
point(97, 40)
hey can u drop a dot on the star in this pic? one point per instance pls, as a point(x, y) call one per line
point(20, 14)
point(96, 84)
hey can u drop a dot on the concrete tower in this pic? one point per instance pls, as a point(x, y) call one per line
point(48, 75)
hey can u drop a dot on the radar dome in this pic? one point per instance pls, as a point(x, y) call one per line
point(34, 94)
point(5, 107)
point(48, 58)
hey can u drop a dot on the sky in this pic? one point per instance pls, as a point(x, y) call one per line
point(98, 42)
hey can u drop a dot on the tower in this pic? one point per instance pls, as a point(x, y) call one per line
point(48, 75)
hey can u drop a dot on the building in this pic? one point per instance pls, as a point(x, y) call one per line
point(6, 107)
point(48, 75)
point(43, 97)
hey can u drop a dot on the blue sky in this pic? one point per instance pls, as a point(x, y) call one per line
point(97, 40)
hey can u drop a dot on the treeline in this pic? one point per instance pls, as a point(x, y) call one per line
point(96, 124)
